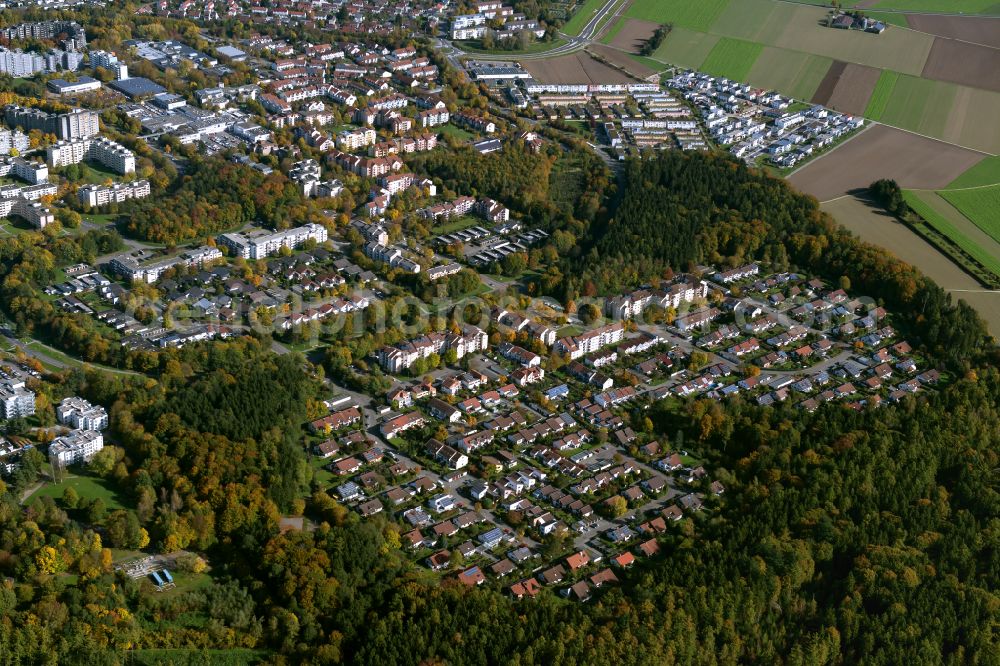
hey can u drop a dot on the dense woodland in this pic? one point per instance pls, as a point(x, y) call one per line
point(843, 536)
point(214, 196)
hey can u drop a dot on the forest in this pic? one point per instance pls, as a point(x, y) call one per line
point(215, 196)
point(844, 536)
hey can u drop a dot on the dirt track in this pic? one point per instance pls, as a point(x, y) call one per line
point(978, 29)
point(576, 68)
point(633, 35)
point(964, 63)
point(883, 152)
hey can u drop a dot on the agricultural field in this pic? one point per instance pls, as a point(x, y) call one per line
point(946, 226)
point(797, 74)
point(879, 100)
point(633, 64)
point(687, 48)
point(752, 20)
point(732, 58)
point(985, 172)
point(575, 68)
point(974, 29)
point(919, 104)
point(981, 205)
point(964, 63)
point(698, 15)
point(883, 152)
point(631, 34)
point(953, 6)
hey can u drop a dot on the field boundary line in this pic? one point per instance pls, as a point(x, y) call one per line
point(831, 152)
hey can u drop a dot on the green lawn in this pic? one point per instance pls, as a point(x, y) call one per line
point(451, 130)
point(584, 12)
point(938, 222)
point(984, 172)
point(456, 224)
point(732, 58)
point(881, 95)
point(694, 14)
point(87, 487)
point(982, 206)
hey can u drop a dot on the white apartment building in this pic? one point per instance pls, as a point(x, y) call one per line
point(405, 354)
point(104, 151)
point(265, 243)
point(13, 140)
point(28, 171)
point(591, 341)
point(17, 400)
point(81, 415)
point(150, 271)
point(75, 448)
point(355, 139)
point(101, 195)
point(33, 212)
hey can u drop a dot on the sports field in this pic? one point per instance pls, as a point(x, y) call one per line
point(694, 14)
point(731, 58)
point(880, 96)
point(981, 205)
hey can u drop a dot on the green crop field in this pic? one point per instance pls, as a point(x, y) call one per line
point(981, 205)
point(880, 96)
point(944, 226)
point(694, 14)
point(753, 20)
point(795, 74)
point(686, 48)
point(613, 31)
point(985, 172)
point(919, 104)
point(732, 58)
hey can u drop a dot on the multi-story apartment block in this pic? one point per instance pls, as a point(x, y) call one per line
point(82, 415)
point(11, 140)
point(17, 400)
point(75, 448)
point(104, 151)
point(33, 212)
point(265, 243)
point(405, 354)
point(77, 124)
point(671, 296)
point(580, 345)
point(76, 35)
point(102, 195)
point(355, 139)
point(136, 270)
point(27, 170)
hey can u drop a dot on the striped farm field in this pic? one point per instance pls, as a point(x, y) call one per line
point(880, 96)
point(981, 205)
point(687, 48)
point(796, 74)
point(920, 104)
point(693, 14)
point(944, 226)
point(732, 58)
point(985, 172)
